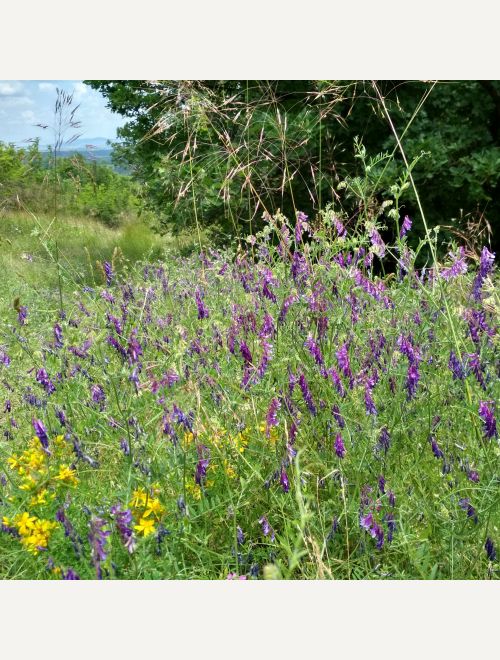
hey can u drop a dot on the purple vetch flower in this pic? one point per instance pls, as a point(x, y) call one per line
point(473, 475)
point(7, 406)
point(22, 314)
point(369, 402)
point(337, 382)
point(368, 523)
point(314, 349)
point(391, 525)
point(284, 480)
point(108, 271)
point(486, 409)
point(267, 329)
point(285, 307)
point(405, 227)
point(339, 228)
point(112, 341)
point(306, 394)
point(134, 349)
point(485, 267)
point(391, 498)
point(474, 364)
point(240, 536)
point(300, 225)
point(338, 417)
point(4, 358)
point(339, 446)
point(458, 265)
point(202, 465)
point(98, 539)
point(412, 379)
point(267, 279)
point(465, 505)
point(377, 242)
point(58, 336)
point(300, 269)
point(125, 447)
point(490, 549)
point(116, 323)
point(203, 312)
point(267, 530)
point(456, 367)
point(384, 441)
point(343, 362)
point(70, 575)
point(381, 484)
point(123, 520)
point(98, 395)
point(245, 353)
point(41, 433)
point(42, 377)
point(267, 351)
point(436, 450)
point(272, 416)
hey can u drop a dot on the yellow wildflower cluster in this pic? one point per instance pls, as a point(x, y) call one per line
point(146, 509)
point(38, 472)
point(34, 532)
point(273, 433)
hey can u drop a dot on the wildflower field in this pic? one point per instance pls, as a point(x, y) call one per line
point(283, 410)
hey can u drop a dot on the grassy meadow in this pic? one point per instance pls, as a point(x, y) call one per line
point(280, 409)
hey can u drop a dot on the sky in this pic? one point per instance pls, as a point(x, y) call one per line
point(25, 103)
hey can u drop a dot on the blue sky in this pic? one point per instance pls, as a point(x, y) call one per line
point(24, 103)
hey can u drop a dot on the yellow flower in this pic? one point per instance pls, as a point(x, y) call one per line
point(13, 462)
point(139, 498)
point(67, 475)
point(24, 523)
point(28, 483)
point(154, 506)
point(145, 526)
point(229, 469)
point(6, 522)
point(187, 439)
point(194, 490)
point(39, 498)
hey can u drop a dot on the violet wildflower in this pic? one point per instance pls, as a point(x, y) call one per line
point(436, 450)
point(42, 377)
point(108, 271)
point(391, 498)
point(98, 395)
point(465, 505)
point(264, 360)
point(456, 367)
point(490, 549)
point(124, 446)
point(391, 525)
point(485, 267)
point(272, 417)
point(22, 314)
point(339, 228)
point(405, 227)
point(267, 279)
point(134, 349)
point(300, 225)
point(369, 402)
point(285, 307)
point(314, 349)
point(412, 379)
point(70, 575)
point(123, 520)
point(267, 329)
point(112, 341)
point(306, 394)
point(58, 336)
point(458, 265)
point(202, 465)
point(381, 484)
point(4, 358)
point(343, 362)
point(98, 539)
point(384, 441)
point(339, 446)
point(245, 353)
point(284, 480)
point(267, 530)
point(336, 381)
point(474, 364)
point(338, 417)
point(240, 536)
point(203, 312)
point(41, 432)
point(377, 243)
point(300, 269)
point(486, 414)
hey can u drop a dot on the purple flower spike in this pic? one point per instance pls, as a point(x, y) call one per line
point(123, 519)
point(108, 271)
point(284, 481)
point(41, 432)
point(98, 538)
point(267, 530)
point(58, 336)
point(306, 393)
point(485, 267)
point(405, 227)
point(465, 505)
point(272, 417)
point(490, 424)
point(314, 349)
point(202, 308)
point(490, 549)
point(339, 446)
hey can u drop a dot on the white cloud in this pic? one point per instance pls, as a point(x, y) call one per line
point(28, 116)
point(15, 101)
point(80, 89)
point(10, 87)
point(46, 87)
